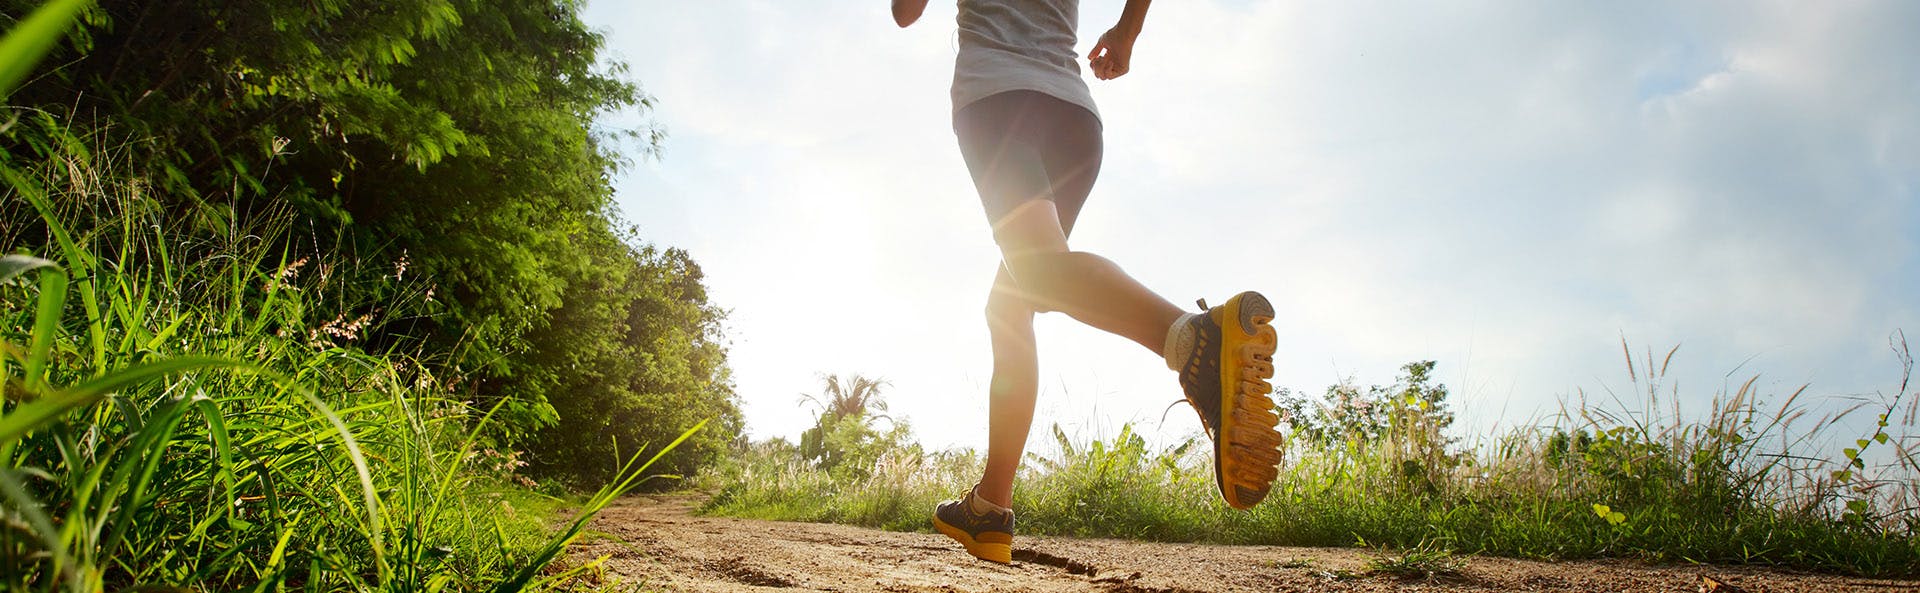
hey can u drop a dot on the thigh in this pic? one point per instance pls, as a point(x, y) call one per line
point(1071, 154)
point(1003, 153)
point(1033, 159)
point(1022, 146)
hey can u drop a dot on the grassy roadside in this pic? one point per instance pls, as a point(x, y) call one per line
point(187, 405)
point(1743, 484)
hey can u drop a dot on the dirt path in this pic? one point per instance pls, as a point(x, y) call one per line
point(666, 548)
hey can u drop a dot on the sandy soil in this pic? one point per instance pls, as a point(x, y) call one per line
point(657, 543)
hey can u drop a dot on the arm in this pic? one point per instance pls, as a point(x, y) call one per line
point(905, 12)
point(1110, 57)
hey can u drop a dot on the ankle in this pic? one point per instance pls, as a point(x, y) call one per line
point(981, 504)
point(1179, 344)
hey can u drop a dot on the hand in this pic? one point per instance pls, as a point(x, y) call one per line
point(1110, 56)
point(905, 12)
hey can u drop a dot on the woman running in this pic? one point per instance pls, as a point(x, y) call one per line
point(1031, 137)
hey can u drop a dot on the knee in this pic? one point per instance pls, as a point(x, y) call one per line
point(1034, 269)
point(1042, 272)
point(1008, 311)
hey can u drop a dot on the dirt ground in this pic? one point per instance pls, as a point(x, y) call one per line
point(656, 543)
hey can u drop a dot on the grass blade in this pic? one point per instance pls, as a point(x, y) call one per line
point(15, 265)
point(27, 43)
point(46, 323)
point(370, 496)
point(33, 414)
point(16, 494)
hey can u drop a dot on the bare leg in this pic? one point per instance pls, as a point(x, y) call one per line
point(1034, 160)
point(1014, 387)
point(1090, 288)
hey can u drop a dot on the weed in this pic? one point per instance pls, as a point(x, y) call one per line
point(1422, 562)
point(1337, 575)
point(1296, 563)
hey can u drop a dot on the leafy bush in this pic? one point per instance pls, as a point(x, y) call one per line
point(844, 440)
point(1408, 418)
point(182, 408)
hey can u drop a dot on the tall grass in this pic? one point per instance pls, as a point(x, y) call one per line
point(187, 405)
point(1744, 482)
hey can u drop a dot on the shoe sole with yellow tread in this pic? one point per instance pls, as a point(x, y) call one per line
point(992, 546)
point(1247, 448)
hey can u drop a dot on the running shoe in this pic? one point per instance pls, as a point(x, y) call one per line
point(987, 536)
point(1224, 377)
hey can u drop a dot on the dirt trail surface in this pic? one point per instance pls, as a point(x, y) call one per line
point(666, 548)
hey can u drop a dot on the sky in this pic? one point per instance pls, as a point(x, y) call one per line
point(1512, 189)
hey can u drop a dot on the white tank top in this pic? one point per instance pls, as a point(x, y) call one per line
point(1010, 45)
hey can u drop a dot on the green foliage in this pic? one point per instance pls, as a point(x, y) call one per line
point(454, 142)
point(1113, 481)
point(1592, 483)
point(844, 439)
point(849, 446)
point(1409, 419)
point(26, 43)
point(1422, 562)
point(872, 476)
point(632, 355)
point(209, 422)
point(768, 480)
point(1411, 405)
point(1860, 490)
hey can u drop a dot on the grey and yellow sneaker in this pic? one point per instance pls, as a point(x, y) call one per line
point(987, 536)
point(1224, 375)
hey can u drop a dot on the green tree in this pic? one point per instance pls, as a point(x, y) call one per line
point(844, 439)
point(450, 140)
point(635, 351)
point(457, 132)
